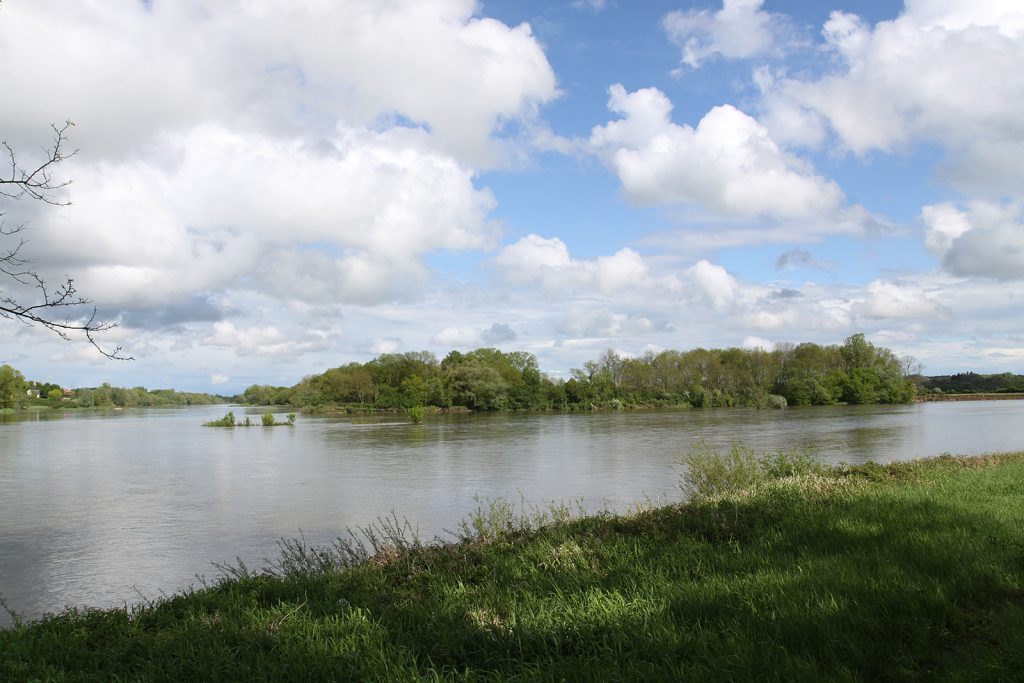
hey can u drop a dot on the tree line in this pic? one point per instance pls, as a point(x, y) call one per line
point(974, 383)
point(855, 372)
point(17, 392)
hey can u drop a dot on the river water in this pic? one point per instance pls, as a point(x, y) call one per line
point(107, 508)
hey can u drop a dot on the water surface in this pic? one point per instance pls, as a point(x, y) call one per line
point(107, 508)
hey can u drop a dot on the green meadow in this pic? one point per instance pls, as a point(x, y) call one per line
point(774, 569)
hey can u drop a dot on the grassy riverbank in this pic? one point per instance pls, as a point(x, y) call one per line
point(910, 571)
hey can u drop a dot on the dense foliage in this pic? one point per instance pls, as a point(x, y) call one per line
point(489, 379)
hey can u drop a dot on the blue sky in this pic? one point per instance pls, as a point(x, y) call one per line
point(262, 193)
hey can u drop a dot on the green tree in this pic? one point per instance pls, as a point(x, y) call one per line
point(55, 397)
point(12, 388)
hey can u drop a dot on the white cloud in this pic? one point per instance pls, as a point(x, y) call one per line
point(281, 68)
point(714, 282)
point(218, 379)
point(943, 71)
point(468, 336)
point(728, 163)
point(347, 222)
point(262, 341)
point(739, 30)
point(547, 262)
point(898, 300)
point(985, 240)
point(532, 256)
point(461, 337)
point(758, 343)
point(595, 324)
point(309, 151)
point(389, 345)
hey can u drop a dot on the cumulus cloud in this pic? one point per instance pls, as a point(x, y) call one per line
point(758, 343)
point(741, 29)
point(307, 151)
point(462, 337)
point(944, 72)
point(985, 239)
point(532, 257)
point(348, 221)
point(898, 300)
point(386, 345)
point(728, 163)
point(714, 282)
point(547, 262)
point(263, 341)
point(284, 68)
point(582, 322)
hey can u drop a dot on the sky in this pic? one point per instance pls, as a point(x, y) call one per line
point(266, 190)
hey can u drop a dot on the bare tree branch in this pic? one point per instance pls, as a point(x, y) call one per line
point(54, 309)
point(38, 183)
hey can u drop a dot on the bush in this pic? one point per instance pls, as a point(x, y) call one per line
point(268, 419)
point(416, 414)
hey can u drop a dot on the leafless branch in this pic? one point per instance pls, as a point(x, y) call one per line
point(38, 182)
point(55, 309)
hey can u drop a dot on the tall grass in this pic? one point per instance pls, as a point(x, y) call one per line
point(708, 474)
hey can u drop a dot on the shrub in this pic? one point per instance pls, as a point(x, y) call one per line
point(268, 419)
point(416, 414)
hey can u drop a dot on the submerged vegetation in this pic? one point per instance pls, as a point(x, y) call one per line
point(773, 569)
point(489, 379)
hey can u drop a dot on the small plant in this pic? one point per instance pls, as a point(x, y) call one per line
point(291, 419)
point(248, 421)
point(416, 414)
point(227, 421)
point(268, 419)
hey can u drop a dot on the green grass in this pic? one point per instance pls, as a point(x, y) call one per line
point(909, 572)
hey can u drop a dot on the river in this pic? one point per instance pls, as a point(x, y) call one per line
point(108, 508)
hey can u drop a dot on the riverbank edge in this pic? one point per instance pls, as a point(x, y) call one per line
point(909, 570)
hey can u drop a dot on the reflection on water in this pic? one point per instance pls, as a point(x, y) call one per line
point(98, 508)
